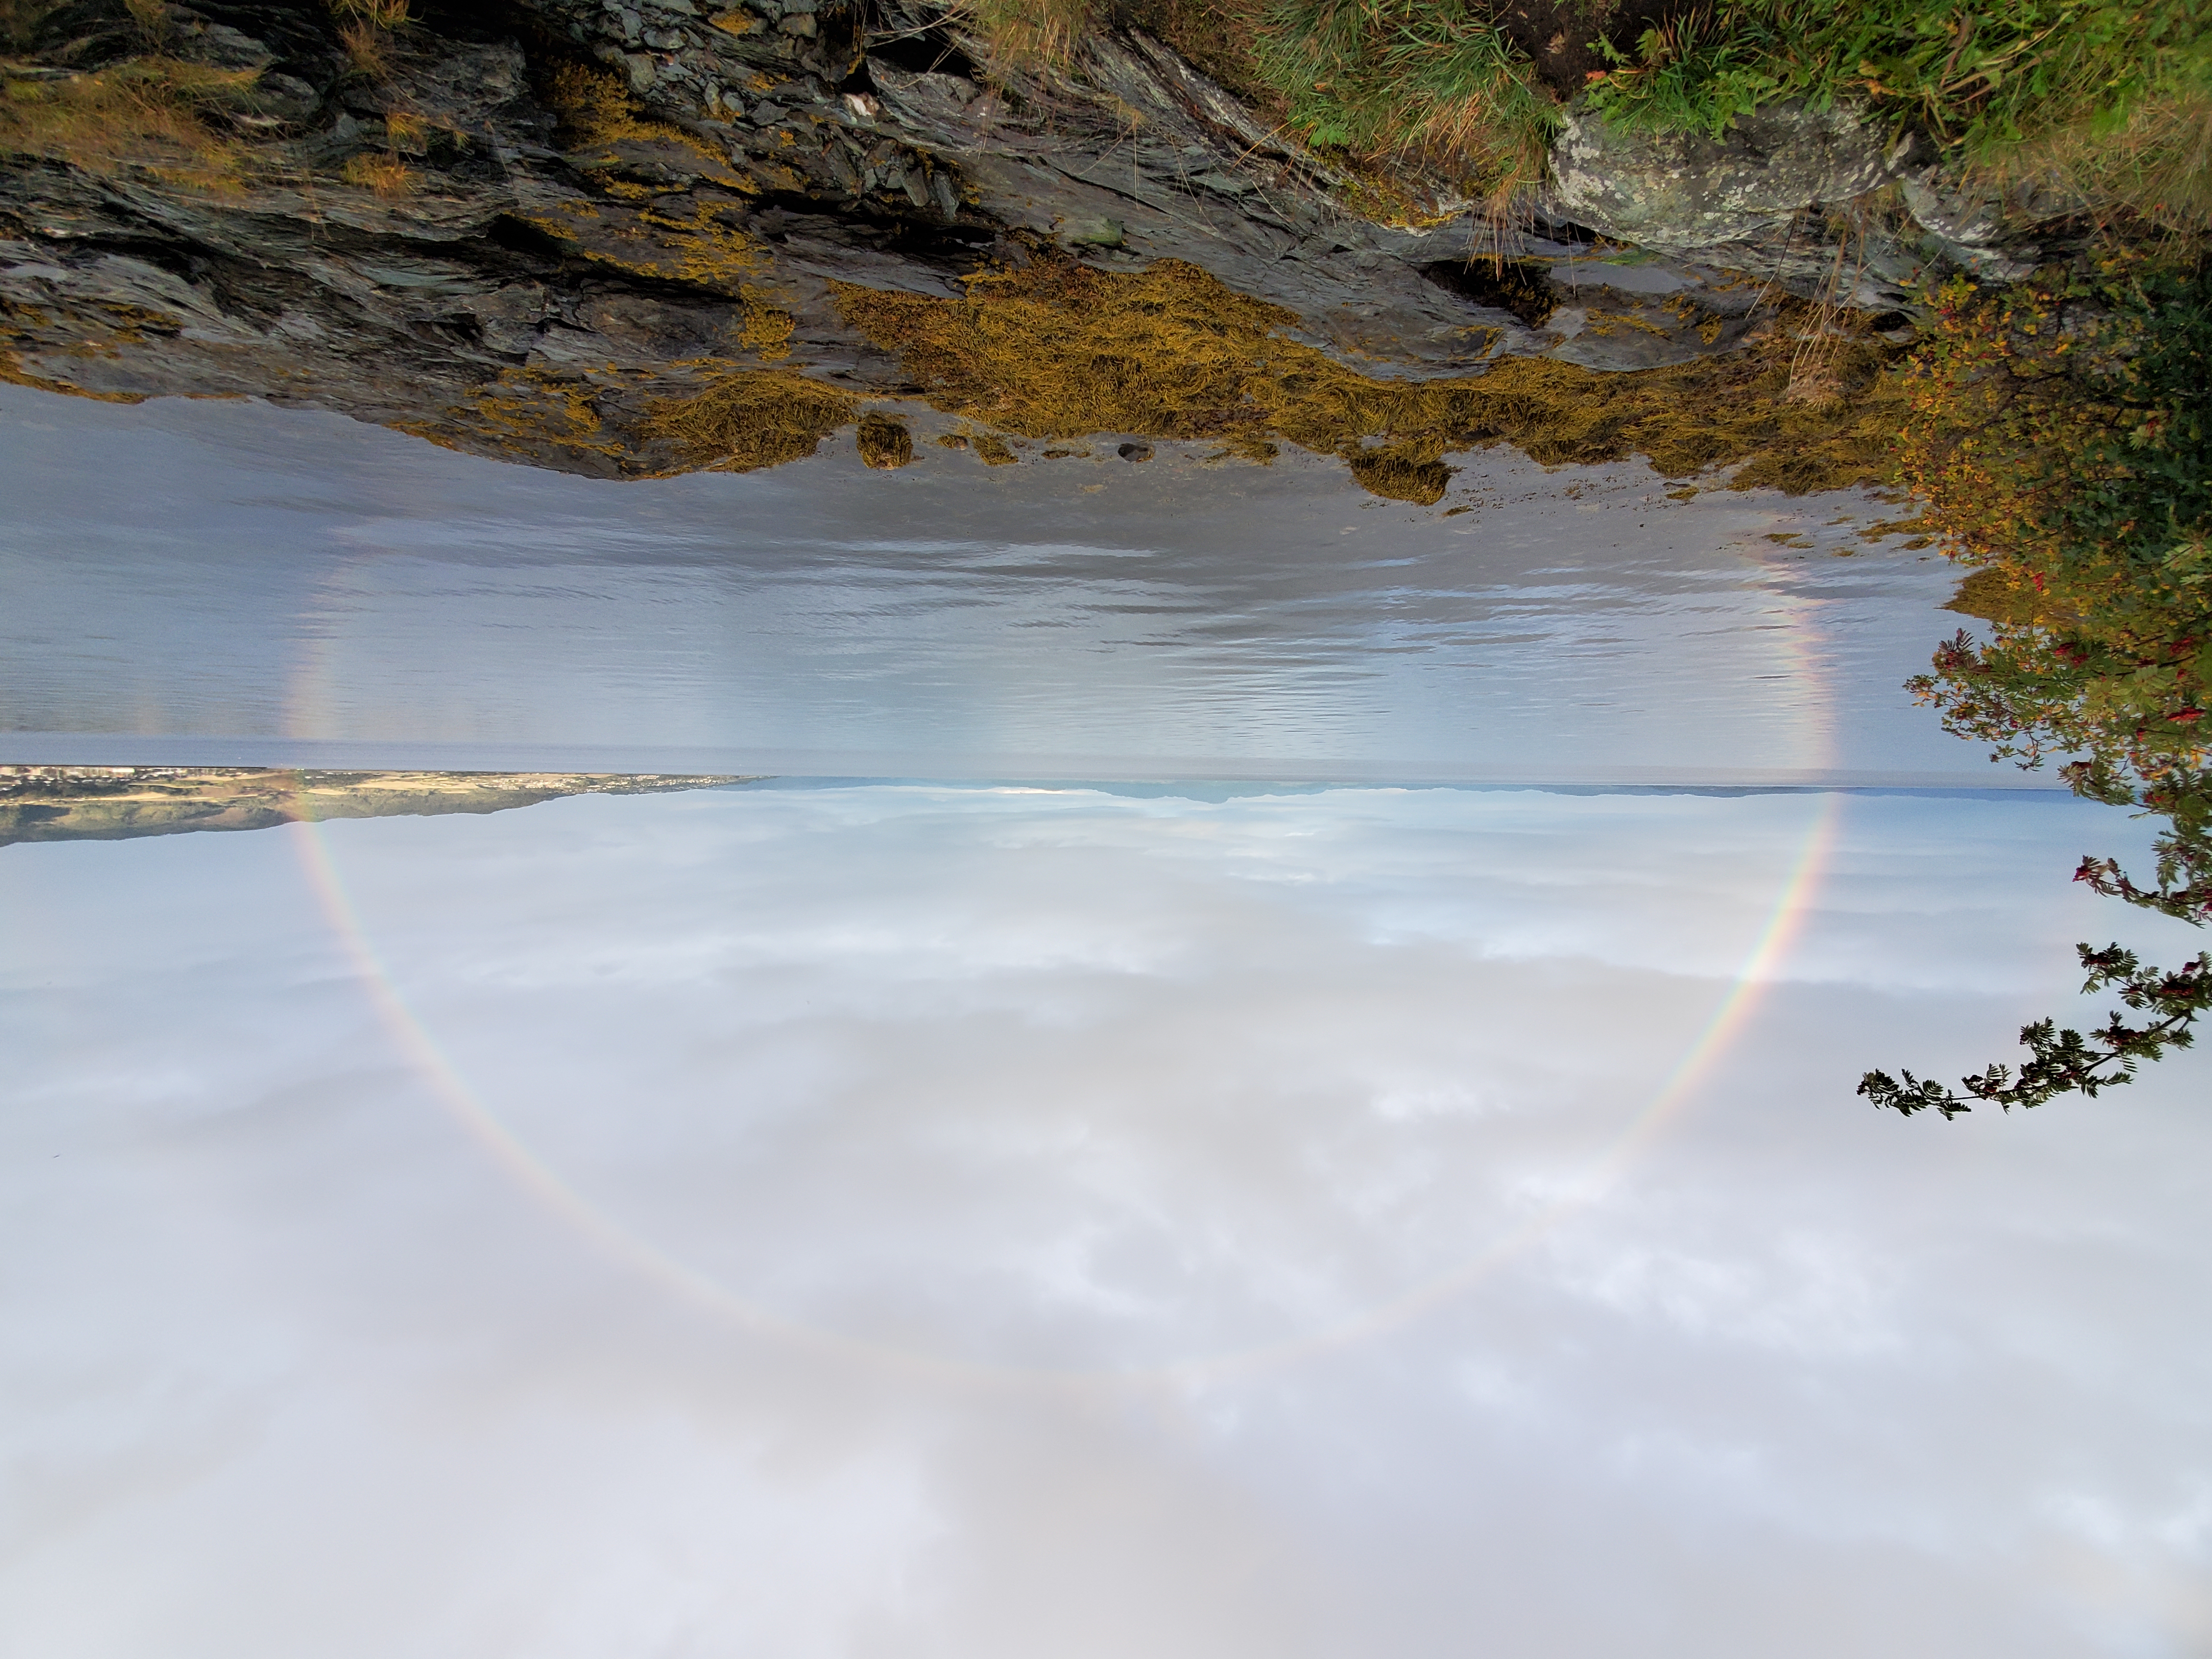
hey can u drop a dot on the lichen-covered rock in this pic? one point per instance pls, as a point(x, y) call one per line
point(1685, 192)
point(1796, 195)
point(1965, 226)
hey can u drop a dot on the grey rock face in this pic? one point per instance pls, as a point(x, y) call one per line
point(540, 278)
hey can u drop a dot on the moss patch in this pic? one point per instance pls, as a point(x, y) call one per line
point(597, 111)
point(1060, 350)
point(85, 334)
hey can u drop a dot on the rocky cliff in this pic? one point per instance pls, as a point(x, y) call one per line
point(626, 236)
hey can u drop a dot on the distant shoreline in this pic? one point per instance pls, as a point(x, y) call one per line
point(49, 803)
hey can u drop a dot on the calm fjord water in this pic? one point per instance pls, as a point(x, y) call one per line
point(228, 583)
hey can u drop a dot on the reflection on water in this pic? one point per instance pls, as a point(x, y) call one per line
point(296, 589)
point(993, 1222)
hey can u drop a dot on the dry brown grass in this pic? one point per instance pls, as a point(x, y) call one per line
point(365, 30)
point(2159, 166)
point(152, 17)
point(1814, 375)
point(1029, 33)
point(1060, 350)
point(153, 113)
point(753, 419)
point(367, 48)
point(386, 14)
point(387, 175)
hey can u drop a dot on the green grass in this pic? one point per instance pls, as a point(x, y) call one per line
point(1424, 80)
point(1390, 81)
point(1976, 77)
point(2106, 99)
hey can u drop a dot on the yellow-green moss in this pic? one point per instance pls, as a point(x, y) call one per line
point(597, 110)
point(93, 331)
point(14, 373)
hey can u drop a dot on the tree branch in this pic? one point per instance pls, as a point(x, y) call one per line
point(2064, 1061)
